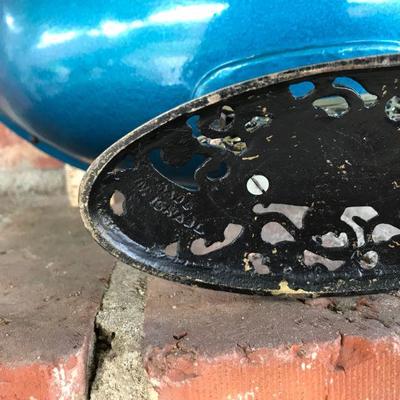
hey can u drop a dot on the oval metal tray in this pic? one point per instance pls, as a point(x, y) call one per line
point(289, 183)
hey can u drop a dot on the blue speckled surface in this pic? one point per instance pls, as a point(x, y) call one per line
point(79, 75)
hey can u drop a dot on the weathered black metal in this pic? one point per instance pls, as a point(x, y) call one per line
point(285, 184)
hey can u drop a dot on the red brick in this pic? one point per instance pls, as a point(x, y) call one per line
point(239, 347)
point(65, 379)
point(53, 277)
point(17, 153)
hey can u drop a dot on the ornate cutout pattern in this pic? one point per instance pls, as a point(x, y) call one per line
point(291, 178)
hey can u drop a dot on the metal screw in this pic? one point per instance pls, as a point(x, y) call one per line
point(257, 185)
point(369, 260)
point(392, 108)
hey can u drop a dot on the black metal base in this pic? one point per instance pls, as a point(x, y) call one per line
point(285, 184)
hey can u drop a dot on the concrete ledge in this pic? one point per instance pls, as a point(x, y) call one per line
point(31, 181)
point(200, 344)
point(25, 169)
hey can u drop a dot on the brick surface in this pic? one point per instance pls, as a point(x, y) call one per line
point(17, 153)
point(63, 379)
point(53, 277)
point(200, 344)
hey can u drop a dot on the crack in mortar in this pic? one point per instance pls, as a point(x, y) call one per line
point(100, 343)
point(117, 370)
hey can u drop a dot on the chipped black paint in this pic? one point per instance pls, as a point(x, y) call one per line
point(322, 160)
